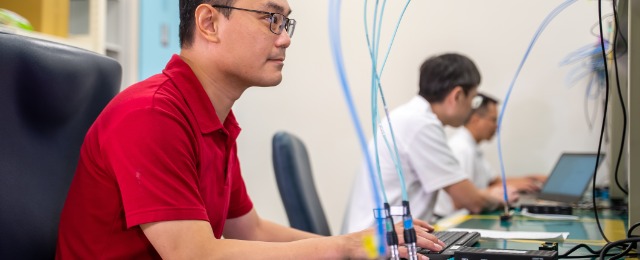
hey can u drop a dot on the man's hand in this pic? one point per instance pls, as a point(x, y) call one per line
point(194, 239)
point(497, 192)
point(527, 184)
point(424, 234)
point(355, 241)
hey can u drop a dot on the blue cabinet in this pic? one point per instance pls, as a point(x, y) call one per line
point(159, 23)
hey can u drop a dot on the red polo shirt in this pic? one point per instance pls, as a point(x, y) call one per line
point(157, 152)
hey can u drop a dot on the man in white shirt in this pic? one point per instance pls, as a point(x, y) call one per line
point(448, 83)
point(481, 126)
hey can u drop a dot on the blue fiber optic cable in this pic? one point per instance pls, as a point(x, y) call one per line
point(409, 231)
point(591, 57)
point(376, 84)
point(544, 24)
point(376, 79)
point(393, 152)
point(336, 48)
point(378, 34)
point(391, 235)
point(373, 112)
point(584, 52)
point(405, 197)
point(393, 37)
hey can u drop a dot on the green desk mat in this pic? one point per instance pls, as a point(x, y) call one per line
point(584, 230)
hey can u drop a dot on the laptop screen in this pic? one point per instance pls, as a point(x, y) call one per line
point(570, 177)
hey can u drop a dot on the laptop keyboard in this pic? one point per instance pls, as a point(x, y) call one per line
point(453, 240)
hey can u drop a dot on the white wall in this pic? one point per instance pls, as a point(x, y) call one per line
point(544, 116)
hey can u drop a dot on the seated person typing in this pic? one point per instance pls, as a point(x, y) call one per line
point(159, 176)
point(481, 125)
point(448, 83)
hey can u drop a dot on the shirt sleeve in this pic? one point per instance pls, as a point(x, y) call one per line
point(465, 156)
point(152, 155)
point(493, 174)
point(432, 159)
point(240, 203)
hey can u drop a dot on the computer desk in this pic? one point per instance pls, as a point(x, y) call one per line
point(581, 231)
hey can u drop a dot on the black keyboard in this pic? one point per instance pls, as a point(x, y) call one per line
point(453, 241)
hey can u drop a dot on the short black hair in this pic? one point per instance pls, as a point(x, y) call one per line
point(187, 17)
point(439, 75)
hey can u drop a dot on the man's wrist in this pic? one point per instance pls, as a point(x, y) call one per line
point(349, 246)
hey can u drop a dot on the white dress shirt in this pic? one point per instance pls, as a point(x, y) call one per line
point(473, 164)
point(427, 162)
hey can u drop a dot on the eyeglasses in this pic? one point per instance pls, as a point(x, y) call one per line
point(278, 22)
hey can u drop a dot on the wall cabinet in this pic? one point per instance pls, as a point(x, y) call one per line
point(107, 27)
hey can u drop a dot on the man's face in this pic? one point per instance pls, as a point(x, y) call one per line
point(488, 123)
point(253, 54)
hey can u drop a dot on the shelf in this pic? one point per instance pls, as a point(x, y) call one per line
point(114, 47)
point(82, 42)
point(107, 27)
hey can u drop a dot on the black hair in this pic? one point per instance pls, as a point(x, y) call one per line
point(188, 20)
point(439, 75)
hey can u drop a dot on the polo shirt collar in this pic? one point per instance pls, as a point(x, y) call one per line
point(197, 99)
point(422, 106)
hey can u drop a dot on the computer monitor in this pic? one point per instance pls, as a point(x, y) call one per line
point(574, 168)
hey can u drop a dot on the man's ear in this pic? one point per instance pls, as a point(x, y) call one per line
point(457, 94)
point(207, 23)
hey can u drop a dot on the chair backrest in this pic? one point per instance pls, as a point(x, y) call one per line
point(50, 94)
point(295, 182)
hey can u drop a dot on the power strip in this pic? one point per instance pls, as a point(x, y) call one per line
point(476, 253)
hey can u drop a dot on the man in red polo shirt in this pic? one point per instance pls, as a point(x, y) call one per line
point(159, 176)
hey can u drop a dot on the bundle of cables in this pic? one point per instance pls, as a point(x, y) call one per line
point(626, 245)
point(384, 219)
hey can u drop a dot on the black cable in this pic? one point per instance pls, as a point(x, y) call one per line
point(595, 25)
point(619, 243)
point(630, 246)
point(605, 249)
point(594, 256)
point(578, 246)
point(624, 40)
point(594, 253)
point(634, 226)
point(623, 253)
point(604, 120)
point(622, 105)
point(578, 256)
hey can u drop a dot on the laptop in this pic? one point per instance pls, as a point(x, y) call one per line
point(567, 182)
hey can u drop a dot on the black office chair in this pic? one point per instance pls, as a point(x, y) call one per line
point(50, 94)
point(295, 182)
